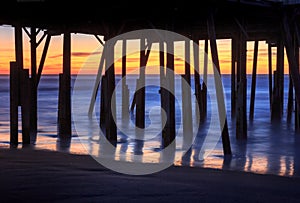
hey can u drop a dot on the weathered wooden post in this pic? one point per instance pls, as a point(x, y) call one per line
point(14, 93)
point(140, 93)
point(33, 81)
point(277, 100)
point(186, 100)
point(125, 90)
point(297, 112)
point(25, 85)
point(270, 73)
point(204, 84)
point(253, 84)
point(162, 90)
point(290, 103)
point(169, 135)
point(103, 102)
point(275, 111)
point(43, 58)
point(64, 112)
point(280, 69)
point(241, 113)
point(219, 92)
point(110, 125)
point(234, 53)
point(293, 61)
point(60, 106)
point(15, 86)
point(197, 79)
point(98, 80)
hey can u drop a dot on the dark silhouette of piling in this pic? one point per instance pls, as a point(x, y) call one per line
point(197, 79)
point(204, 84)
point(125, 90)
point(219, 92)
point(14, 94)
point(234, 53)
point(169, 129)
point(186, 100)
point(33, 84)
point(277, 96)
point(64, 111)
point(253, 84)
point(110, 100)
point(270, 74)
point(25, 105)
point(241, 98)
point(140, 93)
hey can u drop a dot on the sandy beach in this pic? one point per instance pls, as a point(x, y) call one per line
point(29, 175)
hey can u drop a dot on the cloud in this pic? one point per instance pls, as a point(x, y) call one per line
point(84, 54)
point(77, 54)
point(55, 56)
point(178, 59)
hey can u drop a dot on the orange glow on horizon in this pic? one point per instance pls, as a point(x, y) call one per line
point(86, 51)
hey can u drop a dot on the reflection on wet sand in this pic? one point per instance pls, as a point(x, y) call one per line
point(259, 154)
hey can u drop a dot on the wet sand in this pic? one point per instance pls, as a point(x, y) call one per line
point(29, 175)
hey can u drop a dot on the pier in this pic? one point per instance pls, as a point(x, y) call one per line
point(273, 22)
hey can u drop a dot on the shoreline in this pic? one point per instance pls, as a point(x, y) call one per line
point(42, 175)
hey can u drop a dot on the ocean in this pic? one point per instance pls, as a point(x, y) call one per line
point(269, 149)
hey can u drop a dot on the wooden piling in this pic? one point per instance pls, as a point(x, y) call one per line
point(65, 130)
point(290, 101)
point(296, 48)
point(14, 91)
point(187, 62)
point(186, 100)
point(162, 90)
point(103, 102)
point(277, 95)
point(241, 114)
point(297, 112)
point(60, 106)
point(169, 129)
point(43, 58)
point(253, 84)
point(204, 84)
point(234, 48)
point(297, 118)
point(19, 46)
point(25, 106)
point(290, 104)
point(197, 80)
point(219, 92)
point(19, 53)
point(270, 73)
point(275, 111)
point(140, 93)
point(125, 90)
point(33, 83)
point(97, 82)
point(110, 125)
point(293, 61)
point(280, 73)
point(161, 62)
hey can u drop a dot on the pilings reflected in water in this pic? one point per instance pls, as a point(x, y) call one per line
point(24, 83)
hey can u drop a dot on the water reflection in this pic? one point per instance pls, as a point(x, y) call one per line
point(268, 150)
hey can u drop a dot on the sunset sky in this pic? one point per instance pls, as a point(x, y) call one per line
point(86, 48)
